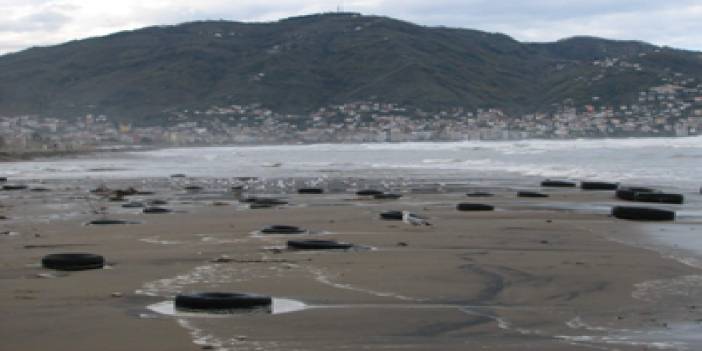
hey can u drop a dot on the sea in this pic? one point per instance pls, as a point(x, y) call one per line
point(671, 163)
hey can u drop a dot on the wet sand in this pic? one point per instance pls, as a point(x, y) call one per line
point(527, 276)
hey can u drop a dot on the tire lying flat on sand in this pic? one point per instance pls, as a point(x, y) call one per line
point(73, 261)
point(629, 193)
point(480, 194)
point(368, 192)
point(530, 194)
point(598, 185)
point(387, 196)
point(557, 184)
point(11, 187)
point(474, 207)
point(663, 198)
point(391, 215)
point(213, 301)
point(105, 221)
point(283, 229)
point(318, 245)
point(153, 210)
point(310, 191)
point(642, 213)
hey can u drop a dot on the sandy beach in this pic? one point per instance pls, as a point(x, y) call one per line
point(541, 274)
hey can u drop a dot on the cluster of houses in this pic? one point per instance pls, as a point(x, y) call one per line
point(671, 109)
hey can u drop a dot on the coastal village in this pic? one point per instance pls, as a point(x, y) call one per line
point(670, 109)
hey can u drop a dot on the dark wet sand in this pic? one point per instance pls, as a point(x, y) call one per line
point(505, 280)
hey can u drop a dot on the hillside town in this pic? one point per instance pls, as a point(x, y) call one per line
point(670, 109)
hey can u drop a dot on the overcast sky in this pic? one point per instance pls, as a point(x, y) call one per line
point(676, 23)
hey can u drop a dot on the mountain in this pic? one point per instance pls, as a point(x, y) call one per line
point(299, 64)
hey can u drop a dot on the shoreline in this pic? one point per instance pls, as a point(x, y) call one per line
point(549, 278)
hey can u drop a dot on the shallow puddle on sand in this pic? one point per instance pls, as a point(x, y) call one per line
point(279, 306)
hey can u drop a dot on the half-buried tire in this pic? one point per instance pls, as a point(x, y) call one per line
point(530, 194)
point(391, 215)
point(73, 261)
point(219, 301)
point(474, 207)
point(480, 194)
point(108, 222)
point(387, 196)
point(368, 192)
point(283, 229)
point(663, 198)
point(310, 191)
point(642, 213)
point(598, 186)
point(557, 184)
point(318, 245)
point(156, 210)
point(629, 193)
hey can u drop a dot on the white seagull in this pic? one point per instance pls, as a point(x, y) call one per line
point(411, 218)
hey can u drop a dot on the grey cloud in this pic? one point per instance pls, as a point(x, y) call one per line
point(46, 20)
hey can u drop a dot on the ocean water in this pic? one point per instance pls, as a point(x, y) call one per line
point(667, 162)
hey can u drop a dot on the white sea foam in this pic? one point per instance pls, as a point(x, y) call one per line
point(324, 278)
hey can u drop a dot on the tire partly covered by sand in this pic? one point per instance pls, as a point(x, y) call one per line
point(105, 221)
point(387, 196)
point(663, 198)
point(480, 194)
point(156, 210)
point(557, 184)
point(598, 185)
point(368, 192)
point(11, 187)
point(310, 191)
point(213, 301)
point(531, 194)
point(283, 229)
point(629, 193)
point(474, 207)
point(391, 215)
point(73, 261)
point(318, 245)
point(642, 213)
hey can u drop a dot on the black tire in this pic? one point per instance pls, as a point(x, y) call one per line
point(108, 222)
point(474, 207)
point(629, 193)
point(221, 301)
point(598, 186)
point(318, 245)
point(480, 194)
point(155, 210)
point(133, 205)
point(368, 192)
point(387, 196)
point(256, 206)
point(642, 213)
point(267, 201)
point(3, 179)
point(531, 194)
point(73, 261)
point(310, 191)
point(193, 188)
point(283, 229)
point(178, 175)
point(10, 187)
point(391, 215)
point(39, 189)
point(663, 198)
point(557, 184)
